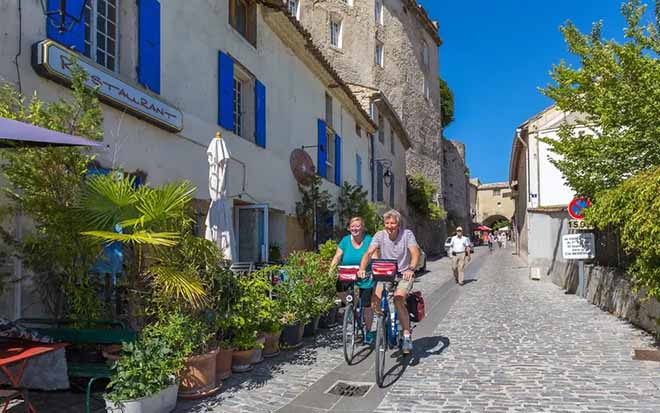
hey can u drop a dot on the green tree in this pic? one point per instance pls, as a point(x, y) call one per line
point(446, 103)
point(313, 210)
point(44, 184)
point(353, 201)
point(616, 88)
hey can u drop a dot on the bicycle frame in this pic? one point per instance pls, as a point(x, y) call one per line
point(359, 308)
point(390, 313)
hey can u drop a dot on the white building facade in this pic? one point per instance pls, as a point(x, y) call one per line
point(540, 192)
point(171, 75)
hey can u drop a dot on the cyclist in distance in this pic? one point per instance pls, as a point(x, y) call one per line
point(349, 252)
point(399, 244)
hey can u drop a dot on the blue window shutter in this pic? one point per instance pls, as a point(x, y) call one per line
point(225, 91)
point(392, 191)
point(260, 112)
point(74, 38)
point(358, 168)
point(149, 44)
point(338, 159)
point(379, 181)
point(321, 149)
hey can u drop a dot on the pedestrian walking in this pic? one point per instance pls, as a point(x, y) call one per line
point(460, 251)
point(503, 239)
point(491, 241)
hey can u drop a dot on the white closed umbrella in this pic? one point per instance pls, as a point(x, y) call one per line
point(219, 225)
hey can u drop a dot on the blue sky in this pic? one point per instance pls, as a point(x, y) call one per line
point(495, 55)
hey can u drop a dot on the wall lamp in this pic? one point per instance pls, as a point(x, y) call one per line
point(321, 147)
point(387, 174)
point(62, 17)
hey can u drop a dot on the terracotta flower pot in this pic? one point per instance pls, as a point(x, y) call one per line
point(223, 364)
point(292, 335)
point(312, 327)
point(198, 376)
point(258, 354)
point(241, 360)
point(272, 344)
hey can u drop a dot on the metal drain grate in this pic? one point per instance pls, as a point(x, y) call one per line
point(647, 355)
point(350, 389)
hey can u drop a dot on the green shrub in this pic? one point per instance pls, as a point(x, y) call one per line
point(421, 198)
point(634, 208)
point(253, 310)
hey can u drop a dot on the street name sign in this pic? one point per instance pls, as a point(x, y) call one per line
point(580, 246)
point(577, 206)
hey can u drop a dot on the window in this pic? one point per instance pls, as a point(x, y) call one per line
point(101, 32)
point(392, 139)
point(497, 192)
point(379, 53)
point(379, 12)
point(335, 33)
point(243, 18)
point(243, 104)
point(358, 130)
point(425, 53)
point(328, 110)
point(358, 169)
point(381, 129)
point(294, 8)
point(330, 152)
point(348, 2)
point(427, 89)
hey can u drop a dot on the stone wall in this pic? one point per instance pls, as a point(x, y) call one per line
point(610, 290)
point(455, 188)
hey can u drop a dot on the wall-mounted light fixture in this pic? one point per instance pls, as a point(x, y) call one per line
point(387, 174)
point(63, 17)
point(321, 147)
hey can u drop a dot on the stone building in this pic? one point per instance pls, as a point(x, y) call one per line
point(160, 111)
point(391, 46)
point(473, 188)
point(455, 188)
point(494, 203)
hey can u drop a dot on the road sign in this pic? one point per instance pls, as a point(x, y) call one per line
point(577, 206)
point(580, 246)
point(579, 224)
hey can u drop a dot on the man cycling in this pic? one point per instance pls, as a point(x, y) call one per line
point(401, 245)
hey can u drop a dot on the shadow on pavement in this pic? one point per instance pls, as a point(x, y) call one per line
point(428, 346)
point(395, 373)
point(361, 355)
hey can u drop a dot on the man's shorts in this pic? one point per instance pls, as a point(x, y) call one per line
point(403, 285)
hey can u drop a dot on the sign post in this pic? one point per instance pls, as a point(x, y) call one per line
point(580, 246)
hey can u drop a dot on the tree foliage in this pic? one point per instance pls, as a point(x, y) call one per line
point(616, 88)
point(446, 103)
point(634, 208)
point(353, 201)
point(313, 210)
point(44, 184)
point(421, 198)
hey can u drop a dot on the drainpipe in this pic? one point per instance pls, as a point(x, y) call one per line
point(18, 270)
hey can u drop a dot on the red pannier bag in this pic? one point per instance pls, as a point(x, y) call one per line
point(384, 270)
point(415, 304)
point(348, 273)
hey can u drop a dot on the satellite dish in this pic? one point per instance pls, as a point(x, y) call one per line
point(302, 166)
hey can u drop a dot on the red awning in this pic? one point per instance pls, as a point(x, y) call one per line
point(483, 228)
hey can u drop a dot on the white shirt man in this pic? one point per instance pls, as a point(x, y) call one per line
point(460, 249)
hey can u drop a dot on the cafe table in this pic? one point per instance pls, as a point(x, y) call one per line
point(14, 357)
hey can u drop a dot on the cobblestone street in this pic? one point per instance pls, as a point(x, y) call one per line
point(510, 344)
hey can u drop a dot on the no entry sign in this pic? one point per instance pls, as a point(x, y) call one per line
point(577, 206)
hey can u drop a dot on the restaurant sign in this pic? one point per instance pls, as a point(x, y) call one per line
point(55, 62)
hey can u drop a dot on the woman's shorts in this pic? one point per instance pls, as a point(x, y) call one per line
point(365, 296)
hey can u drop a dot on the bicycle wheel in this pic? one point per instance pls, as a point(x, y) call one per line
point(348, 333)
point(381, 350)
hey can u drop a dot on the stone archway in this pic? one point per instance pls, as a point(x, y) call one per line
point(491, 220)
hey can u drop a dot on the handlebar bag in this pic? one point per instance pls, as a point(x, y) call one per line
point(347, 273)
point(384, 270)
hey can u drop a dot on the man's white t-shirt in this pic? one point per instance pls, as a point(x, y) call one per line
point(459, 244)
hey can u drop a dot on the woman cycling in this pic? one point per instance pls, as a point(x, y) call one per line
point(349, 252)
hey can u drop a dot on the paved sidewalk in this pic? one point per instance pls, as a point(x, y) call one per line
point(517, 345)
point(274, 383)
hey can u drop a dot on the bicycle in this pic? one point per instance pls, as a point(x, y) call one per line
point(389, 335)
point(353, 327)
